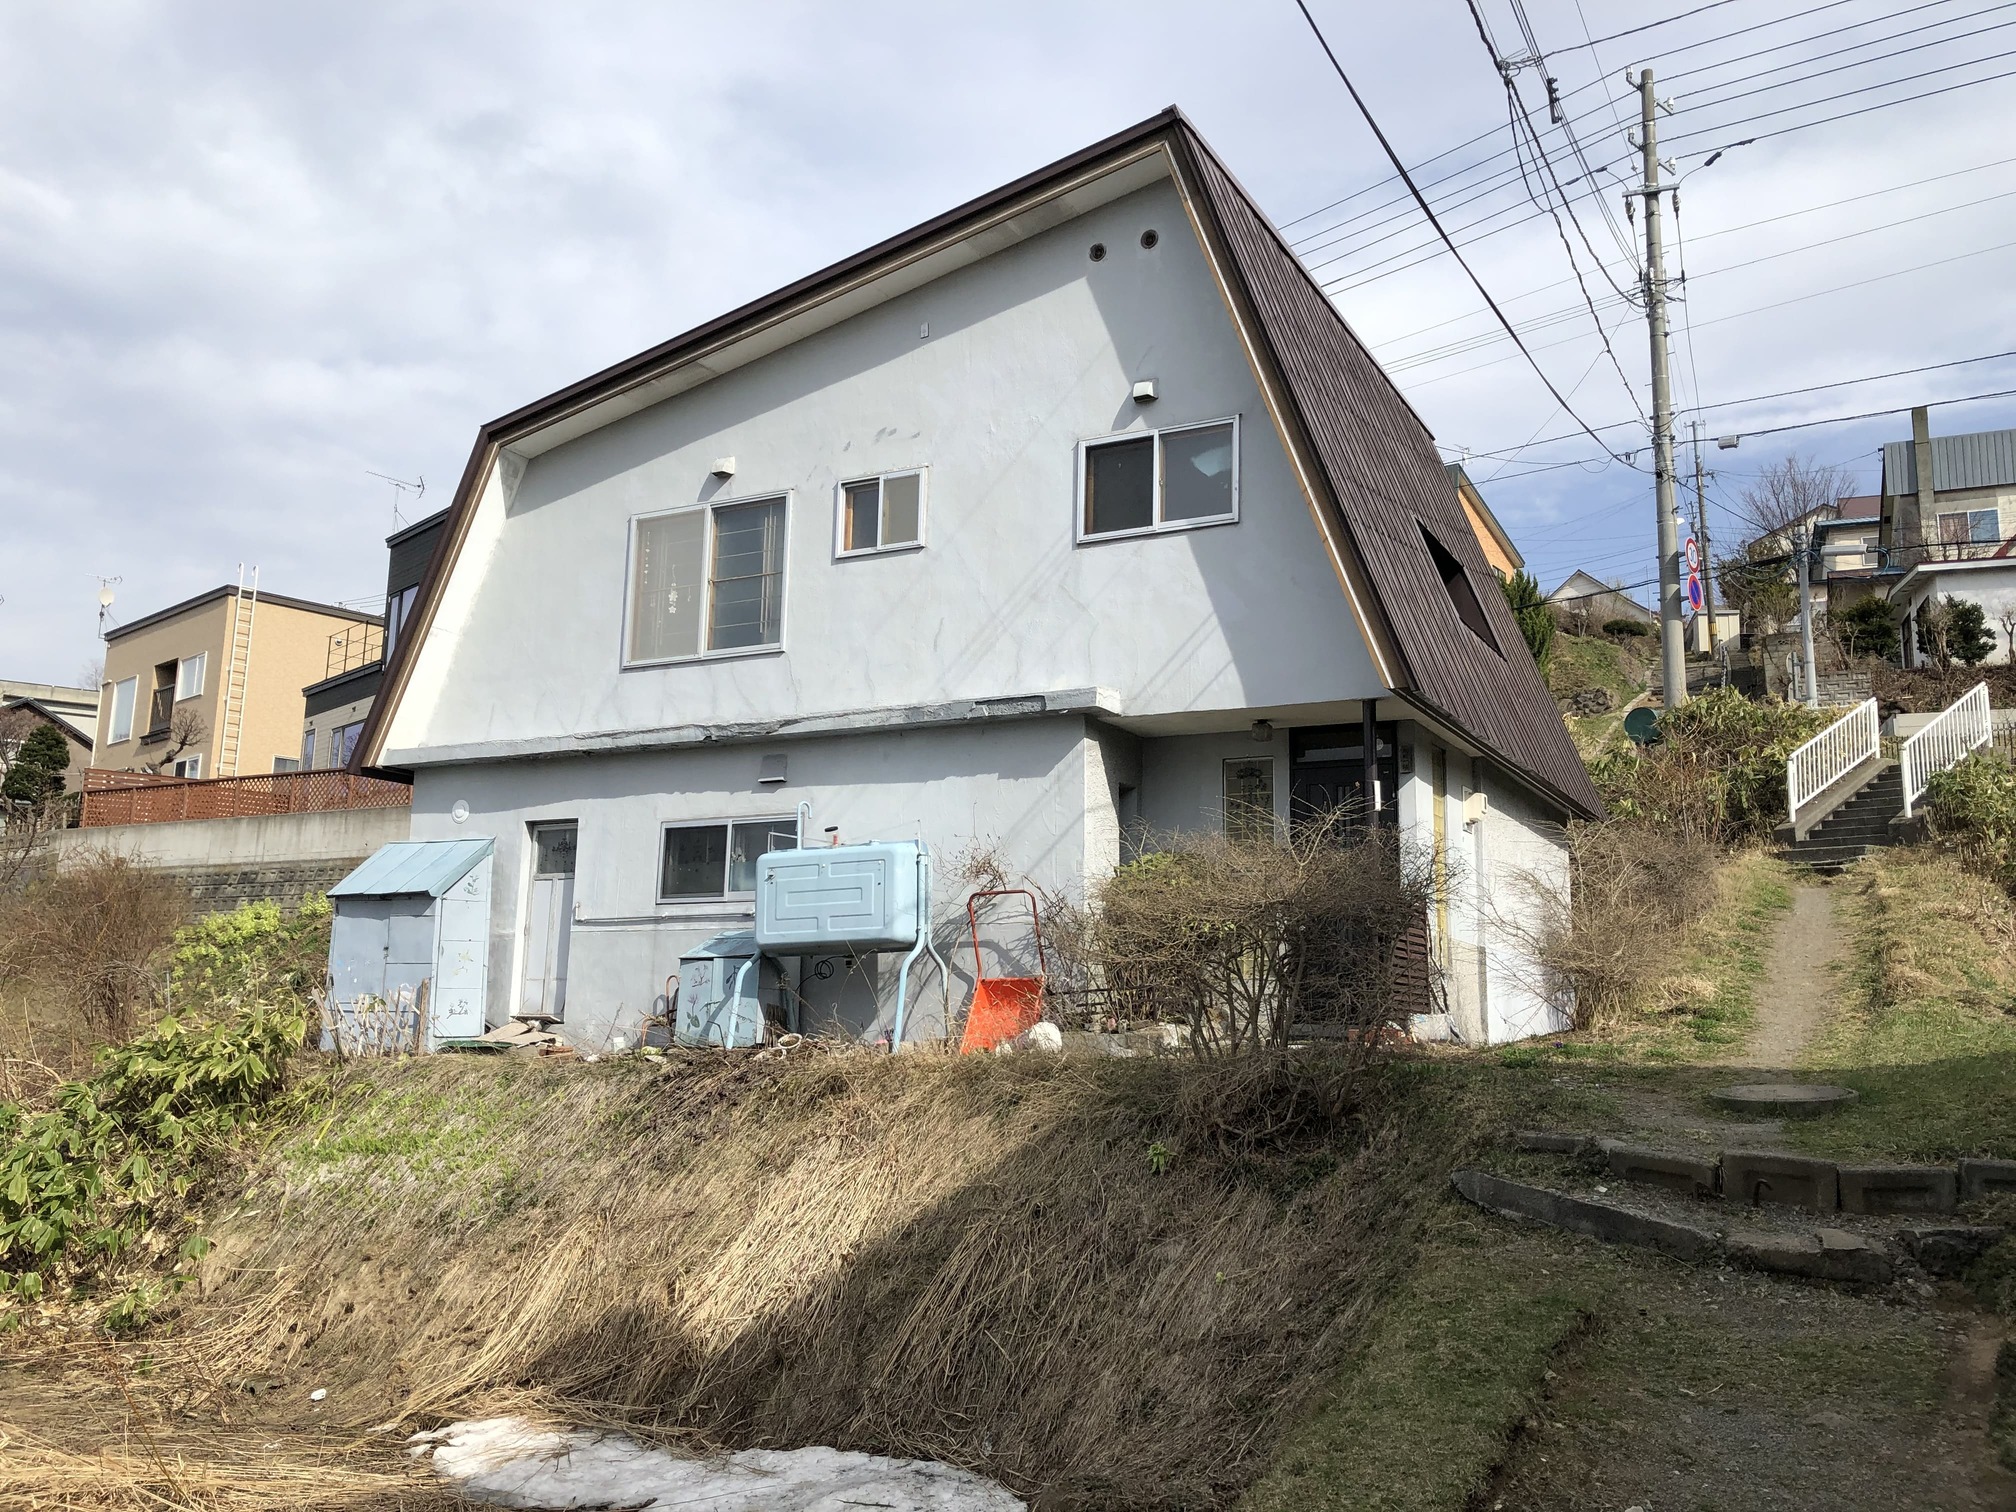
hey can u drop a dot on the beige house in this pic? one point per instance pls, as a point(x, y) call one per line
point(211, 687)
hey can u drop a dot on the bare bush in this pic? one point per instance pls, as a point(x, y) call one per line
point(94, 939)
point(1250, 940)
point(1634, 889)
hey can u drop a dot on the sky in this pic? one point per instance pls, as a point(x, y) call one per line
point(251, 255)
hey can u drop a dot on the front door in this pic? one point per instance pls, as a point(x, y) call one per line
point(543, 992)
point(1327, 771)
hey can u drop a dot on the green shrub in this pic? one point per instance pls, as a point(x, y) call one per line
point(1718, 770)
point(255, 952)
point(1629, 627)
point(1971, 809)
point(1534, 616)
point(36, 773)
point(1967, 632)
point(1866, 628)
point(81, 1183)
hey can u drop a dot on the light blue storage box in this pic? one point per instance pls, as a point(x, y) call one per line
point(829, 900)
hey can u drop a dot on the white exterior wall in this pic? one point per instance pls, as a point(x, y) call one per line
point(1029, 353)
point(1993, 588)
point(1018, 788)
point(1183, 777)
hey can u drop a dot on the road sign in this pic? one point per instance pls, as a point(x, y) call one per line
point(1696, 598)
point(1693, 557)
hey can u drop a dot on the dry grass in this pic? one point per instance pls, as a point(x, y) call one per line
point(1107, 1283)
point(82, 957)
point(1636, 892)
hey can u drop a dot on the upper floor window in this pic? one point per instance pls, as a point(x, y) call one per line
point(124, 692)
point(882, 514)
point(189, 675)
point(398, 609)
point(1159, 480)
point(706, 579)
point(1973, 527)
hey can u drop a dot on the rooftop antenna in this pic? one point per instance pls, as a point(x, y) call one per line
point(417, 488)
point(105, 587)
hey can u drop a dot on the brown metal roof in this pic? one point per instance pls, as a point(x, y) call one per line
point(1388, 484)
point(1375, 459)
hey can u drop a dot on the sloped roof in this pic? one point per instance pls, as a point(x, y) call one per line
point(62, 721)
point(1981, 459)
point(1368, 460)
point(413, 868)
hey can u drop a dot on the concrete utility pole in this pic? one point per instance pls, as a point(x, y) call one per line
point(1672, 649)
point(1707, 556)
point(1802, 542)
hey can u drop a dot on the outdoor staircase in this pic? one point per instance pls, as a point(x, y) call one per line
point(1857, 827)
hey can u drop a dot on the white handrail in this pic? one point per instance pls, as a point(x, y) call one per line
point(1954, 735)
point(1831, 755)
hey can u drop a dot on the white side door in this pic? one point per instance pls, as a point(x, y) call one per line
point(543, 993)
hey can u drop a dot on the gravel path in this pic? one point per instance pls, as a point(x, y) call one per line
point(1799, 985)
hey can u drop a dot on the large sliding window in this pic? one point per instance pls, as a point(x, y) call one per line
point(706, 580)
point(718, 860)
point(1174, 479)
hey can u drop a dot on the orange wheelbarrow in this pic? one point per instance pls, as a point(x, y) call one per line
point(1003, 1007)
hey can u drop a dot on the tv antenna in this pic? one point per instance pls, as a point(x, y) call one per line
point(417, 488)
point(105, 587)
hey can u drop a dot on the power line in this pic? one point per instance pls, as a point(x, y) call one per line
point(1846, 115)
point(1897, 409)
point(1401, 168)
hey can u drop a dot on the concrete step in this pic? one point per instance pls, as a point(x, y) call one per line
point(1824, 857)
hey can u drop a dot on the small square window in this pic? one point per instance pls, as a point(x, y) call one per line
point(189, 675)
point(718, 860)
point(1165, 480)
point(885, 513)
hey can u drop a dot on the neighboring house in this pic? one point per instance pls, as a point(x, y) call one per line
point(76, 707)
point(1851, 557)
point(211, 687)
point(1991, 583)
point(336, 705)
point(1590, 603)
point(1500, 555)
point(25, 714)
point(1947, 498)
point(1728, 630)
point(1074, 514)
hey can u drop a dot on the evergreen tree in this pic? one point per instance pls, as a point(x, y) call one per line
point(1536, 620)
point(1968, 637)
point(1866, 628)
point(36, 773)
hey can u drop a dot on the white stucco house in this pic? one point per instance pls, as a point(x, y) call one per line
point(1075, 510)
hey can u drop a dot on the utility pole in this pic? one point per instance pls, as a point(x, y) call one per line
point(1707, 556)
point(1802, 541)
point(1672, 650)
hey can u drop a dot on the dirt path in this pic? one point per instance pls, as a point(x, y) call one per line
point(1799, 986)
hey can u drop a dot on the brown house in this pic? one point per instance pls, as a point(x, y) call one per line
point(211, 687)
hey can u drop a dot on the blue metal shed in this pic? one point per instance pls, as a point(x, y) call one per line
point(417, 912)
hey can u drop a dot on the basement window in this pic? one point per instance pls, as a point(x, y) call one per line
point(1462, 595)
point(718, 860)
point(884, 513)
point(706, 581)
point(1175, 479)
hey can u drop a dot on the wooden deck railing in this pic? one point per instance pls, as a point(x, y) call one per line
point(148, 798)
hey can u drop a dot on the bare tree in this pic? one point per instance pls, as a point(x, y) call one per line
point(186, 728)
point(1789, 491)
point(92, 673)
point(2009, 634)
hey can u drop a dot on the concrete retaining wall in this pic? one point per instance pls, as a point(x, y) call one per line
point(226, 862)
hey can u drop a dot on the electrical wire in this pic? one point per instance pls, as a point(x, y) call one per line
point(1401, 168)
point(1846, 115)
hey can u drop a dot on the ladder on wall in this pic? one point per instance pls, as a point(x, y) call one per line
point(237, 675)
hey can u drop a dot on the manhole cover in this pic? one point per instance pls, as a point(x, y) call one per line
point(1783, 1099)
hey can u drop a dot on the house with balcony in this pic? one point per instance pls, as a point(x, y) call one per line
point(335, 706)
point(1074, 516)
point(211, 687)
point(1948, 528)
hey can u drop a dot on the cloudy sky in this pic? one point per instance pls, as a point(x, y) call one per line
point(251, 254)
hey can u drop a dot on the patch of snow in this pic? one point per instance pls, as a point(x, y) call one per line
point(510, 1462)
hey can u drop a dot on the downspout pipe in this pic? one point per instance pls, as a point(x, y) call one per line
point(924, 942)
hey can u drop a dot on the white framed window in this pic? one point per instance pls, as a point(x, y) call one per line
point(882, 513)
point(189, 675)
point(1971, 527)
point(1142, 482)
point(188, 766)
point(124, 692)
point(706, 581)
point(717, 859)
point(286, 764)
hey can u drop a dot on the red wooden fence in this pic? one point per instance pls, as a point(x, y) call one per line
point(112, 797)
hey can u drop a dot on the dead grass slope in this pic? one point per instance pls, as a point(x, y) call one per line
point(1104, 1283)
